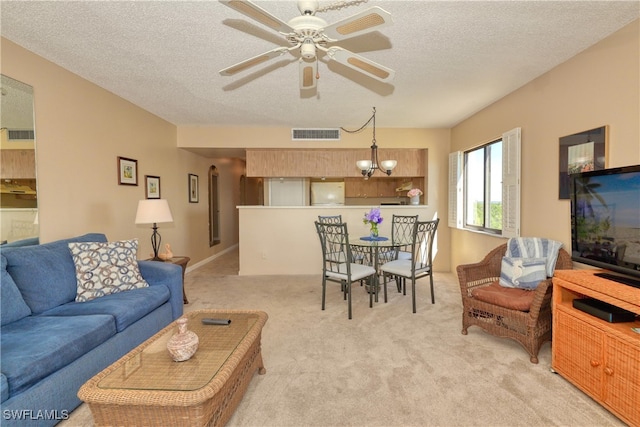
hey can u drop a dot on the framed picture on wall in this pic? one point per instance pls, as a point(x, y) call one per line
point(581, 152)
point(193, 188)
point(152, 186)
point(127, 171)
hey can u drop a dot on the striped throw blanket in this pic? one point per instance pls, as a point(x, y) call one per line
point(535, 247)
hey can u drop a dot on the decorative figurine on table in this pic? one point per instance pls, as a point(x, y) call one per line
point(184, 343)
point(167, 254)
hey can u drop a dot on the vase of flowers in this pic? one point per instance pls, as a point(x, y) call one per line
point(373, 218)
point(414, 196)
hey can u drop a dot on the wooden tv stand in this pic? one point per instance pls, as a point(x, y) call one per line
point(600, 358)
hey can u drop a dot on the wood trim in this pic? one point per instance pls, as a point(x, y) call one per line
point(329, 163)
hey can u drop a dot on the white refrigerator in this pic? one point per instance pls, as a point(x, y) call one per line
point(327, 193)
point(287, 191)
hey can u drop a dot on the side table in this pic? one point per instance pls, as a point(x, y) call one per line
point(182, 261)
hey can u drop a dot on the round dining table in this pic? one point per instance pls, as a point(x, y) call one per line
point(373, 251)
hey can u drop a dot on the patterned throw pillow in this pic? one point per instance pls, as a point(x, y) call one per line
point(106, 268)
point(523, 273)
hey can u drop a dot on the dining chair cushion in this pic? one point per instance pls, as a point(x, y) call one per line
point(358, 271)
point(404, 255)
point(511, 298)
point(399, 266)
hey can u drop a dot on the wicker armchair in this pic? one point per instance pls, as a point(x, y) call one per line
point(530, 328)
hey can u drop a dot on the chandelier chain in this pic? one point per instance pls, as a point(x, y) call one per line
point(340, 5)
point(361, 128)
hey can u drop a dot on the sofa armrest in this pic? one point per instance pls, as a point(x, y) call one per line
point(170, 275)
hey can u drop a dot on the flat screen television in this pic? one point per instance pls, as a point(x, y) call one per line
point(605, 222)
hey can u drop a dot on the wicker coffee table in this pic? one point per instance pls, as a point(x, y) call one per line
point(147, 388)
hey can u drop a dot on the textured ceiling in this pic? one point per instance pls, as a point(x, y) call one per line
point(451, 58)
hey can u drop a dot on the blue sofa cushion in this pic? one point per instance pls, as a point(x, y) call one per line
point(24, 242)
point(126, 307)
point(106, 268)
point(4, 388)
point(45, 274)
point(36, 346)
point(12, 306)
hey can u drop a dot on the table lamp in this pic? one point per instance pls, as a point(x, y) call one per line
point(153, 211)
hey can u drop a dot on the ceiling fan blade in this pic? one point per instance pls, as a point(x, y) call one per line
point(360, 63)
point(366, 21)
point(308, 71)
point(257, 13)
point(259, 59)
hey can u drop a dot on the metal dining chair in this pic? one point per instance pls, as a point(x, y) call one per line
point(401, 230)
point(336, 260)
point(330, 219)
point(421, 262)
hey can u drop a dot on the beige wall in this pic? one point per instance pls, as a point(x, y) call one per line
point(600, 86)
point(286, 245)
point(80, 131)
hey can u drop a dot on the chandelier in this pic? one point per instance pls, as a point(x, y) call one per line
point(368, 167)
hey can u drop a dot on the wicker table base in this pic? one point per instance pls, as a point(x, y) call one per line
point(147, 388)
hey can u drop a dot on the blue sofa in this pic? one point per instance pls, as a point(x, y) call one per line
point(50, 344)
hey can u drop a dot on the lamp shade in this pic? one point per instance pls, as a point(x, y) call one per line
point(388, 164)
point(364, 164)
point(153, 211)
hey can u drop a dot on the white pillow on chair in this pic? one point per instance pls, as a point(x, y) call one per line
point(523, 273)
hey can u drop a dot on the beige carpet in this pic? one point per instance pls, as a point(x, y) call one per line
point(386, 366)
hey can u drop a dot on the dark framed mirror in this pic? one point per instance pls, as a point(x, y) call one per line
point(214, 207)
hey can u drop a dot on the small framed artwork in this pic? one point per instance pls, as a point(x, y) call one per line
point(581, 152)
point(127, 171)
point(193, 188)
point(152, 184)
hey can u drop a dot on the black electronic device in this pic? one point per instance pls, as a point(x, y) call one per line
point(603, 310)
point(605, 221)
point(209, 321)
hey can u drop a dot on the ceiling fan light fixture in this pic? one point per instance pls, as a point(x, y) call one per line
point(308, 49)
point(308, 34)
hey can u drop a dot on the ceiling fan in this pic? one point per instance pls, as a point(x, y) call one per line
point(307, 34)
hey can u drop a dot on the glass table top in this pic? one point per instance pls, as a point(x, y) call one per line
point(154, 369)
point(389, 243)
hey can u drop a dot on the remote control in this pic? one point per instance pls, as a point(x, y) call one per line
point(209, 321)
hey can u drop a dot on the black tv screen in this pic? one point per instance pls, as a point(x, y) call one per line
point(605, 219)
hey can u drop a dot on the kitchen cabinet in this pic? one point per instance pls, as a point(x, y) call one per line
point(379, 187)
point(600, 358)
point(386, 187)
point(356, 187)
point(18, 164)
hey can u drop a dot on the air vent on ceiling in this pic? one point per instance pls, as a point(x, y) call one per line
point(14, 134)
point(315, 134)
